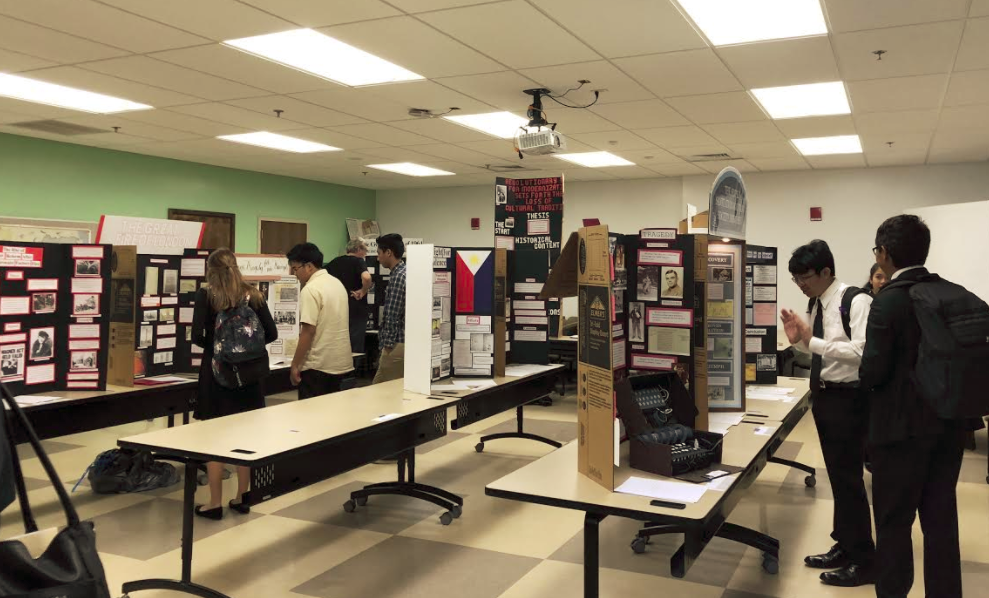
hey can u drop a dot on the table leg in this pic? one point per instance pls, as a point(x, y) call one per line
point(592, 547)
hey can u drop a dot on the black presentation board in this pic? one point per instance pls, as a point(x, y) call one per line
point(761, 263)
point(53, 325)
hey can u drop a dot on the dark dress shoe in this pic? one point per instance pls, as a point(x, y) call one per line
point(832, 559)
point(849, 576)
point(214, 514)
point(239, 507)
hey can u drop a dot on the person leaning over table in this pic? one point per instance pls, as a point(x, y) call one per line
point(323, 357)
point(391, 336)
point(225, 289)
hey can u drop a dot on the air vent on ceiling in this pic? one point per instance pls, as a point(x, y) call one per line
point(57, 127)
point(711, 157)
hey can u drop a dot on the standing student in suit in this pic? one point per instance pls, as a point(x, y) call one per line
point(916, 457)
point(840, 411)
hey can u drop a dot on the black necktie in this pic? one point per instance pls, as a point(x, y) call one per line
point(816, 360)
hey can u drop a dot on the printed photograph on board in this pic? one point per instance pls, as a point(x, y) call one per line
point(648, 281)
point(12, 362)
point(43, 303)
point(672, 282)
point(284, 317)
point(501, 195)
point(717, 394)
point(42, 341)
point(170, 282)
point(636, 320)
point(86, 305)
point(766, 363)
point(87, 267)
point(83, 360)
point(719, 274)
point(722, 348)
point(187, 285)
point(166, 314)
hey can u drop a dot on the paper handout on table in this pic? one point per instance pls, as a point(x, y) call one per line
point(776, 390)
point(663, 490)
point(723, 483)
point(721, 422)
point(462, 385)
point(519, 370)
point(35, 399)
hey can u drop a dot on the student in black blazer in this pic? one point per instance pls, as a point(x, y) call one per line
point(916, 457)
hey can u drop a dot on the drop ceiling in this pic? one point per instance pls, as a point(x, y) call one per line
point(669, 96)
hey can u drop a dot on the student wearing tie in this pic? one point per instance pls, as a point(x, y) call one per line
point(834, 335)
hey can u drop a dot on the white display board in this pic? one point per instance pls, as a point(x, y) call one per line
point(150, 235)
point(958, 237)
point(418, 318)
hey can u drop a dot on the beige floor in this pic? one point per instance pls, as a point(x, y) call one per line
point(304, 544)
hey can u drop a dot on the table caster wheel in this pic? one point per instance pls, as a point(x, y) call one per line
point(361, 501)
point(770, 564)
point(810, 481)
point(479, 447)
point(350, 506)
point(639, 545)
point(446, 518)
point(457, 511)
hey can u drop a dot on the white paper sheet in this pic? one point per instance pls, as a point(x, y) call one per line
point(673, 491)
point(35, 399)
point(723, 483)
point(462, 385)
point(519, 370)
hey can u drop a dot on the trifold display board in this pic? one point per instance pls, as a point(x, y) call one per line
point(666, 307)
point(53, 327)
point(376, 294)
point(452, 316)
point(167, 285)
point(725, 326)
point(760, 314)
point(270, 275)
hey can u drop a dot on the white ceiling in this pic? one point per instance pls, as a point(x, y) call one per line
point(669, 95)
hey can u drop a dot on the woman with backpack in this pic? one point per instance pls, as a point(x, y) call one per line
point(232, 323)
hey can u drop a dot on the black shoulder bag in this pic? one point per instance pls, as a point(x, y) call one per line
point(70, 566)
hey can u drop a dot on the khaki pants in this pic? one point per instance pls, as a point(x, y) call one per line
point(391, 366)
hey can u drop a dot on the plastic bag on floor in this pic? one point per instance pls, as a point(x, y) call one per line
point(119, 471)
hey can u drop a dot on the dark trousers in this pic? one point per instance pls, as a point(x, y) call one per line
point(842, 418)
point(918, 475)
point(315, 383)
point(358, 330)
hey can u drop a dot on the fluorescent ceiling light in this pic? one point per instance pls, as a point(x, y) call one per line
point(727, 22)
point(595, 159)
point(410, 169)
point(498, 124)
point(819, 146)
point(40, 92)
point(323, 56)
point(796, 101)
point(279, 142)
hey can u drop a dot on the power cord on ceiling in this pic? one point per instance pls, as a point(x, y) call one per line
point(597, 96)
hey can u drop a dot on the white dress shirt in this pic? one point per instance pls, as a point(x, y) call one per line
point(841, 355)
point(902, 270)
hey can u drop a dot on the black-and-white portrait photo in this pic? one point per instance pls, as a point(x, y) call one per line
point(648, 279)
point(42, 342)
point(672, 282)
point(501, 195)
point(636, 323)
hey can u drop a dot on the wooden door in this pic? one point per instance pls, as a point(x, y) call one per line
point(220, 227)
point(278, 236)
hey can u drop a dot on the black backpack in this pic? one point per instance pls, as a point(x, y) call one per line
point(845, 310)
point(952, 370)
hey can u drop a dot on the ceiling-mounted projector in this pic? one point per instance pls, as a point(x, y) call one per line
point(541, 142)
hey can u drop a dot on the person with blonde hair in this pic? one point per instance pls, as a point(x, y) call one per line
point(224, 298)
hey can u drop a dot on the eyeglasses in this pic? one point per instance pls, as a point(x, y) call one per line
point(875, 250)
point(803, 278)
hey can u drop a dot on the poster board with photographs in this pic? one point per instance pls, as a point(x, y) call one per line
point(270, 275)
point(760, 314)
point(441, 315)
point(665, 307)
point(473, 312)
point(53, 325)
point(726, 338)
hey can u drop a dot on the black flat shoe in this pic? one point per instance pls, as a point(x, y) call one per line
point(832, 559)
point(240, 507)
point(214, 514)
point(849, 576)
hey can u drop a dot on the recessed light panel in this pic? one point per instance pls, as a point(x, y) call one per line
point(410, 169)
point(279, 142)
point(41, 92)
point(727, 22)
point(822, 146)
point(498, 124)
point(798, 101)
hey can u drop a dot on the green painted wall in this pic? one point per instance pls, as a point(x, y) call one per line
point(48, 179)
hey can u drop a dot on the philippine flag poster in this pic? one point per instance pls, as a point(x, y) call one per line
point(475, 281)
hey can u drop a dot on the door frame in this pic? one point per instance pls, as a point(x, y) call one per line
point(231, 215)
point(286, 220)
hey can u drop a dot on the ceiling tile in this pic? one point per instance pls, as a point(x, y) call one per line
point(386, 155)
point(614, 140)
point(900, 93)
point(640, 115)
point(980, 8)
point(907, 121)
point(320, 13)
point(690, 72)
point(965, 117)
point(572, 121)
point(783, 62)
point(428, 95)
point(12, 62)
point(647, 157)
point(855, 15)
point(176, 78)
point(336, 139)
point(503, 149)
point(731, 107)
point(955, 155)
point(837, 161)
point(136, 92)
point(459, 153)
point(668, 137)
point(896, 158)
point(130, 127)
point(902, 142)
point(606, 26)
point(818, 126)
point(51, 45)
point(297, 111)
point(587, 174)
point(745, 132)
point(359, 102)
point(414, 6)
point(414, 46)
point(677, 169)
point(503, 90)
point(974, 51)
point(969, 87)
point(618, 86)
point(235, 65)
point(913, 50)
point(775, 149)
point(699, 152)
point(777, 164)
point(383, 134)
point(960, 139)
point(506, 32)
point(440, 130)
point(629, 172)
point(217, 20)
point(238, 117)
point(92, 20)
point(718, 165)
point(183, 122)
